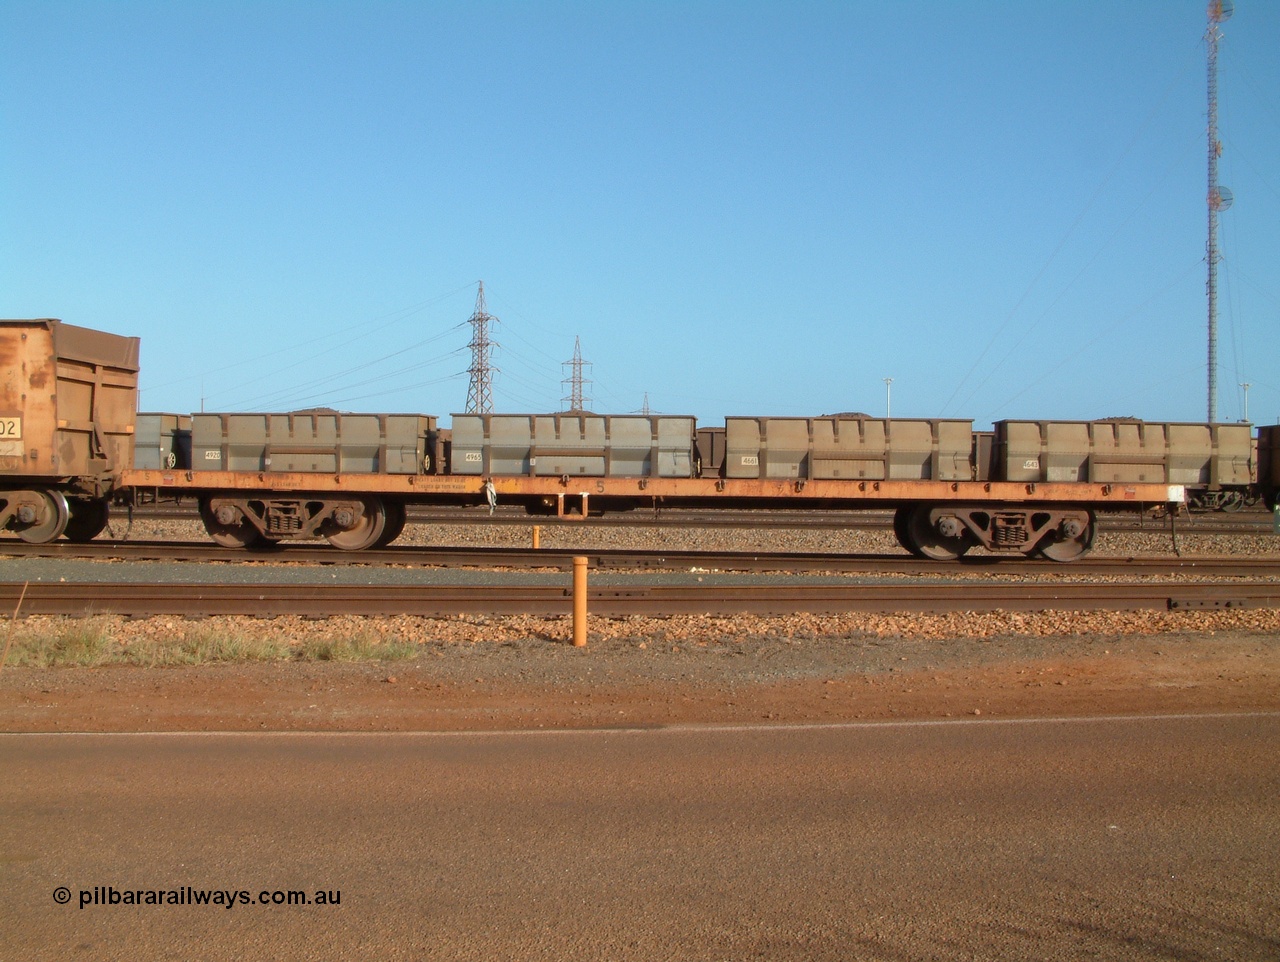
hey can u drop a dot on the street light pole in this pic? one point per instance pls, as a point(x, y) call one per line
point(888, 381)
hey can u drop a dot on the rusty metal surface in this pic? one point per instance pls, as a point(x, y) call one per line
point(68, 396)
point(511, 597)
point(705, 491)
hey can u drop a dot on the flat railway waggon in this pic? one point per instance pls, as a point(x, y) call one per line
point(1026, 488)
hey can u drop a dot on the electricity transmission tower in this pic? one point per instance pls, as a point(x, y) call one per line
point(480, 388)
point(576, 400)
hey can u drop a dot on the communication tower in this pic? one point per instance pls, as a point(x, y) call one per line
point(480, 388)
point(1219, 198)
point(576, 400)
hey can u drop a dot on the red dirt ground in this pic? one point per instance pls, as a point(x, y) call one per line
point(541, 684)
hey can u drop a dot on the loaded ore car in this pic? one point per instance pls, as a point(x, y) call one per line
point(67, 401)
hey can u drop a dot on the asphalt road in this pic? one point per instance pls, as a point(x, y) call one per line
point(1152, 838)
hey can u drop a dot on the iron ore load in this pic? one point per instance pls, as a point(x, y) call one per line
point(576, 444)
point(71, 444)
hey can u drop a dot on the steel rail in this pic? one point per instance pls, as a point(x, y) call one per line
point(1245, 522)
point(199, 600)
point(482, 557)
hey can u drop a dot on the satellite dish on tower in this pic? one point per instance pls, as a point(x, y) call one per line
point(1220, 10)
point(1221, 198)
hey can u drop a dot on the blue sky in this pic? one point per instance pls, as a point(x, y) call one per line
point(740, 207)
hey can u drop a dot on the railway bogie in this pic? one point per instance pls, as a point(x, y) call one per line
point(945, 531)
point(350, 522)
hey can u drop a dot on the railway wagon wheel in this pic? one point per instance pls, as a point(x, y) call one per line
point(363, 532)
point(87, 520)
point(929, 542)
point(902, 531)
point(50, 518)
point(234, 530)
point(1072, 540)
point(397, 516)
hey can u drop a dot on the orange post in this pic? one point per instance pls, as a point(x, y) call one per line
point(537, 537)
point(579, 602)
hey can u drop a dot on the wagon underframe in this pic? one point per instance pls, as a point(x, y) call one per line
point(936, 519)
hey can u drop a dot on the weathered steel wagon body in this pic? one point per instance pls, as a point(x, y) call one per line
point(67, 401)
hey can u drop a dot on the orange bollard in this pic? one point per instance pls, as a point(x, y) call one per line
point(537, 537)
point(579, 602)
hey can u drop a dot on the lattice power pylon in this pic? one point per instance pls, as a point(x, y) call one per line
point(480, 388)
point(577, 400)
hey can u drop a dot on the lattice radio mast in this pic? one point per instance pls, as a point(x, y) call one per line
point(480, 388)
point(576, 400)
point(1219, 198)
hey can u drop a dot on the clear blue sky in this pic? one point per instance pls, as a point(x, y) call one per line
point(740, 207)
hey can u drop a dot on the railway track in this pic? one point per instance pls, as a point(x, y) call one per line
point(317, 601)
point(1251, 520)
point(405, 556)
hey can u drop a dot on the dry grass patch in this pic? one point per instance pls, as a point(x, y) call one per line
point(81, 643)
point(46, 642)
point(359, 646)
point(201, 645)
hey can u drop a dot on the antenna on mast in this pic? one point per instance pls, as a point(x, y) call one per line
point(1219, 198)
